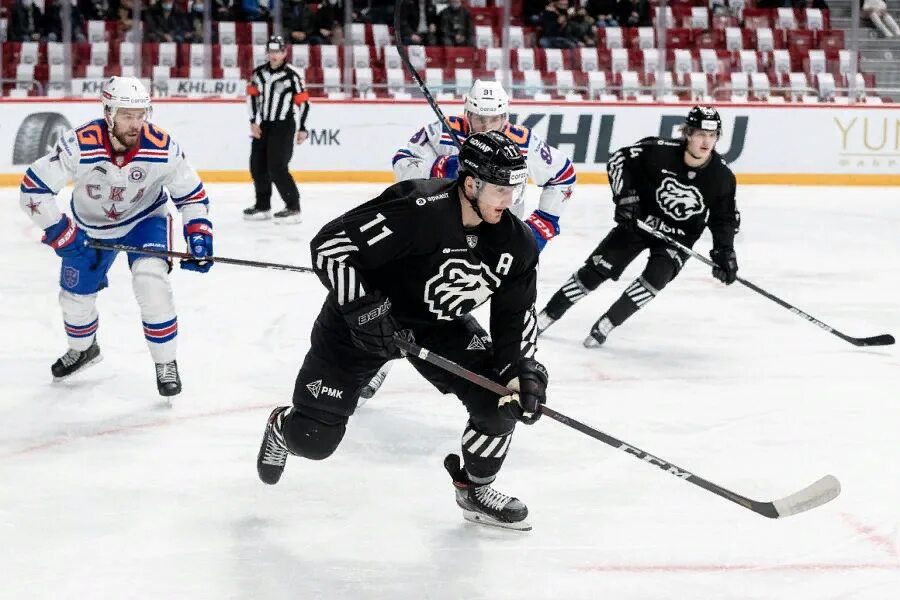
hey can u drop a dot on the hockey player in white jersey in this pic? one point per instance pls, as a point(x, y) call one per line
point(124, 170)
point(431, 152)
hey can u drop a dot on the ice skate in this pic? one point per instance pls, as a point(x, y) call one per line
point(257, 214)
point(484, 505)
point(374, 384)
point(168, 383)
point(288, 216)
point(75, 360)
point(544, 320)
point(273, 452)
point(599, 333)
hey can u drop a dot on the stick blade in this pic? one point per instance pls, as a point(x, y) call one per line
point(821, 492)
point(878, 340)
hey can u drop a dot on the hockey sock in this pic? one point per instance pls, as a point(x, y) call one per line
point(579, 285)
point(483, 454)
point(636, 296)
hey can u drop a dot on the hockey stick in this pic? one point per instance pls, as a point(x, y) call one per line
point(404, 58)
point(876, 340)
point(824, 490)
point(184, 255)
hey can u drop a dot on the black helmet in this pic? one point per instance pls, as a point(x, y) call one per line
point(493, 158)
point(705, 118)
point(275, 44)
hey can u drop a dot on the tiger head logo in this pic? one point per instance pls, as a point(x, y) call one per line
point(458, 288)
point(679, 201)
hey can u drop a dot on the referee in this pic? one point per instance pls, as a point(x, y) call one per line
point(278, 109)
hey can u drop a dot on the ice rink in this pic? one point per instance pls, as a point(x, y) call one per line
point(105, 493)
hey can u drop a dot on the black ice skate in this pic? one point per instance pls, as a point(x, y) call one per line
point(273, 452)
point(288, 216)
point(483, 504)
point(168, 383)
point(599, 332)
point(374, 384)
point(257, 214)
point(74, 360)
point(545, 320)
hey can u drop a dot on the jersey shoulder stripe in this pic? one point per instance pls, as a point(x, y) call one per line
point(91, 136)
point(519, 134)
point(565, 176)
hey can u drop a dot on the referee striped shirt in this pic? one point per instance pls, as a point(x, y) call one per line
point(277, 95)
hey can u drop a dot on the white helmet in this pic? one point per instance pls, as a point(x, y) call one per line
point(487, 98)
point(124, 92)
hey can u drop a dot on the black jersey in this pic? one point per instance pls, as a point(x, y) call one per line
point(684, 199)
point(409, 243)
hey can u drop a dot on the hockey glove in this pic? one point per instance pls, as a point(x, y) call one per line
point(67, 240)
point(372, 327)
point(544, 226)
point(628, 210)
point(726, 264)
point(530, 392)
point(199, 237)
point(445, 167)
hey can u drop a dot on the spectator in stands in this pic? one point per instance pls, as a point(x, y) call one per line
point(223, 10)
point(415, 30)
point(295, 20)
point(166, 22)
point(877, 12)
point(26, 22)
point(603, 12)
point(125, 20)
point(554, 22)
point(581, 28)
point(53, 22)
point(255, 10)
point(455, 25)
point(634, 13)
point(194, 33)
point(97, 10)
point(326, 24)
point(379, 11)
point(532, 10)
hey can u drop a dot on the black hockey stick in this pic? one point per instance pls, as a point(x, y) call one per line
point(404, 57)
point(876, 340)
point(824, 490)
point(184, 255)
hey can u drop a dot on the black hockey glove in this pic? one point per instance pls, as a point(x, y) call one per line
point(628, 210)
point(726, 264)
point(372, 327)
point(530, 387)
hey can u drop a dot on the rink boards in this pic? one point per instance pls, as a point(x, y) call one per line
point(355, 141)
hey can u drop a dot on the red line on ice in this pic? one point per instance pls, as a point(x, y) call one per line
point(62, 441)
point(868, 532)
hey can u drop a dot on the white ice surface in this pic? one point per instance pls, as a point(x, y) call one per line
point(106, 494)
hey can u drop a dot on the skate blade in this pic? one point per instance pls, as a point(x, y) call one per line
point(289, 220)
point(482, 519)
point(591, 342)
point(258, 217)
point(87, 365)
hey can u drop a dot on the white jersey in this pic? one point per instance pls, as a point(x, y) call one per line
point(548, 167)
point(113, 192)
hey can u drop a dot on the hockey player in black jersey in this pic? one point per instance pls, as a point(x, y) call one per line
point(678, 186)
point(410, 263)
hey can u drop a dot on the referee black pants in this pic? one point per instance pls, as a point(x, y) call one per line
point(269, 158)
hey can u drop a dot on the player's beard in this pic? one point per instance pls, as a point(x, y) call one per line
point(123, 140)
